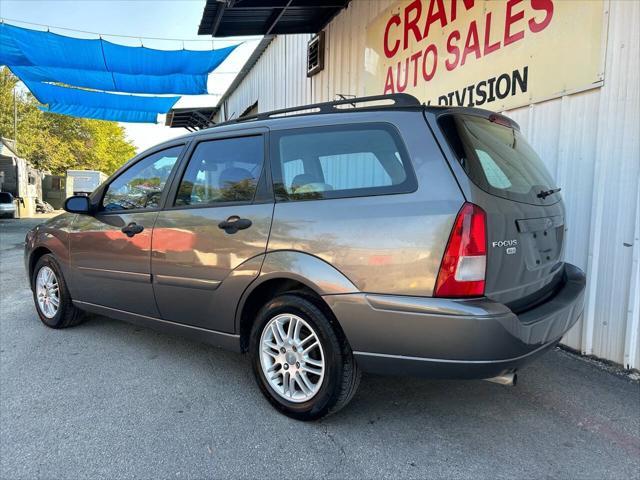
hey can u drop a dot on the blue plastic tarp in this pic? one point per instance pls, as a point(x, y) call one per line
point(51, 49)
point(10, 54)
point(40, 59)
point(102, 113)
point(49, 57)
point(116, 82)
point(52, 94)
point(142, 60)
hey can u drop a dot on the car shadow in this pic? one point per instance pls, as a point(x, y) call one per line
point(378, 395)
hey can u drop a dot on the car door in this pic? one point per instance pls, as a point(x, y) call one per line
point(209, 240)
point(110, 251)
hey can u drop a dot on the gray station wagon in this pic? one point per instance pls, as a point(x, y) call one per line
point(373, 234)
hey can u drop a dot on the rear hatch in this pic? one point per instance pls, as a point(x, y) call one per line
point(525, 213)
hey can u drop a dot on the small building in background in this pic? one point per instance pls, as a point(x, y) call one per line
point(56, 189)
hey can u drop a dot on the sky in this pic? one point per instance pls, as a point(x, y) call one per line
point(175, 19)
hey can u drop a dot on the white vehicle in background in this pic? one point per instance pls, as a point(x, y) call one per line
point(85, 181)
point(7, 205)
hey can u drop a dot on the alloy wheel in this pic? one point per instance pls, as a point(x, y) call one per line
point(292, 358)
point(48, 292)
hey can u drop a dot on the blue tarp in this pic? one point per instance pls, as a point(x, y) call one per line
point(102, 113)
point(51, 94)
point(46, 56)
point(116, 82)
point(41, 58)
point(90, 104)
point(10, 54)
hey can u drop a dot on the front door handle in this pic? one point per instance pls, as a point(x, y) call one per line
point(132, 229)
point(234, 223)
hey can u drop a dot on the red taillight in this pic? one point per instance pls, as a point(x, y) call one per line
point(462, 271)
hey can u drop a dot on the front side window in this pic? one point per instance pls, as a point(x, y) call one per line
point(141, 186)
point(340, 161)
point(222, 171)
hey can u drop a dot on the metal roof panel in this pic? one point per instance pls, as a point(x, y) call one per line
point(253, 17)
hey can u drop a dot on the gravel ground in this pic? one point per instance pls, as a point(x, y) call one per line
point(111, 400)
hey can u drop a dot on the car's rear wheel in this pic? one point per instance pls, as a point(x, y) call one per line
point(301, 360)
point(51, 296)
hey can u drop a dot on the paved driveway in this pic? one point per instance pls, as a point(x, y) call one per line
point(111, 400)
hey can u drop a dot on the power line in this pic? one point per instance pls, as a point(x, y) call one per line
point(226, 39)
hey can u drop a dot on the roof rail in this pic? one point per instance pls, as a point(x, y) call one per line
point(402, 100)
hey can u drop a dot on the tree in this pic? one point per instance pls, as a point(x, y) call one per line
point(57, 142)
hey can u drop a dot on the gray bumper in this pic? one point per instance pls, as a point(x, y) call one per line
point(445, 338)
point(7, 209)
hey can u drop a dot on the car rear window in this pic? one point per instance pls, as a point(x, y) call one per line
point(6, 197)
point(497, 158)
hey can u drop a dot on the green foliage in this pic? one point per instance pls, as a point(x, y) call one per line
point(57, 142)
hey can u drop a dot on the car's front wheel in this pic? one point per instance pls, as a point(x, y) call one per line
point(51, 296)
point(301, 360)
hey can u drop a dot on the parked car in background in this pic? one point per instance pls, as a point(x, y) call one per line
point(7, 205)
point(402, 239)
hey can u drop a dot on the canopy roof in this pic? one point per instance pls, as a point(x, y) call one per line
point(267, 17)
point(41, 58)
point(191, 118)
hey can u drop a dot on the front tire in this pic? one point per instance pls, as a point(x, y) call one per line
point(301, 360)
point(51, 296)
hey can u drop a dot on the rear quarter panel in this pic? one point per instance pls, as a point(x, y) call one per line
point(388, 243)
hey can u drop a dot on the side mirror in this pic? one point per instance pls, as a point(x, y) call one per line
point(77, 204)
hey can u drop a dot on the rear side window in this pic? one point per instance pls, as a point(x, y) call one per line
point(340, 161)
point(497, 158)
point(222, 171)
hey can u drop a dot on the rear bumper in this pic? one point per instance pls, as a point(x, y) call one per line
point(7, 209)
point(448, 338)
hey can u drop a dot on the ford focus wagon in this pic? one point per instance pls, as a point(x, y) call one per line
point(372, 234)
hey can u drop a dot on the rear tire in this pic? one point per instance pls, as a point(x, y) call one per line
point(321, 379)
point(51, 295)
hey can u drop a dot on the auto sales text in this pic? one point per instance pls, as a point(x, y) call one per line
point(471, 40)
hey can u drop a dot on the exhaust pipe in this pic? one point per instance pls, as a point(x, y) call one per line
point(509, 379)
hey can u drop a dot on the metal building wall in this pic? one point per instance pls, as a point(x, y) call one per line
point(590, 141)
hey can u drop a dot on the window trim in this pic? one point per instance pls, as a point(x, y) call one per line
point(264, 181)
point(410, 184)
point(102, 190)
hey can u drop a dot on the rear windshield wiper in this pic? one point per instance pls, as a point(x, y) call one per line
point(545, 193)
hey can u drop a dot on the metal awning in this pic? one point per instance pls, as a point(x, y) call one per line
point(267, 17)
point(191, 118)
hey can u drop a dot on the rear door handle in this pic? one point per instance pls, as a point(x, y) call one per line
point(234, 223)
point(132, 229)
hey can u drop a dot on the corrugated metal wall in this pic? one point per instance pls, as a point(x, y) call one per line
point(590, 141)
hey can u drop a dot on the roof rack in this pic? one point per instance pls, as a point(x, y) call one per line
point(400, 100)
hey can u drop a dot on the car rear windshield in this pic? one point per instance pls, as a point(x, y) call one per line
point(6, 197)
point(498, 159)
